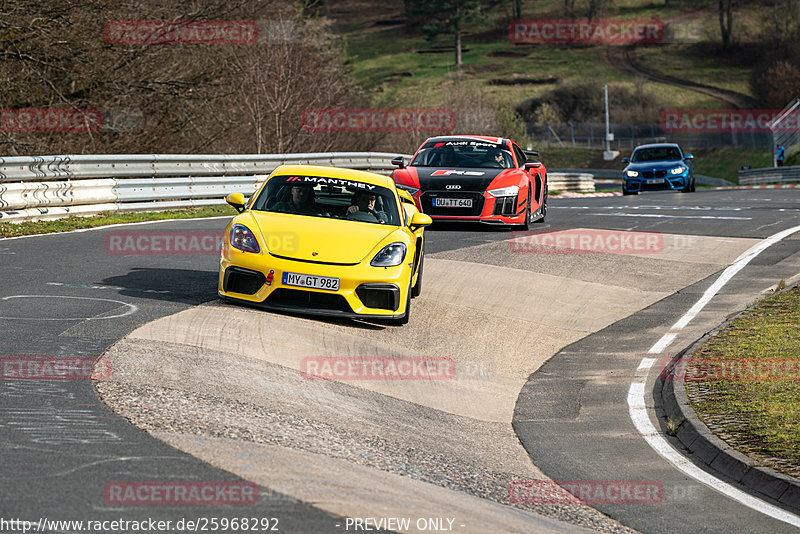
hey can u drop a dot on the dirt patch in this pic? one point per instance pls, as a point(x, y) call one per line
point(523, 80)
point(506, 53)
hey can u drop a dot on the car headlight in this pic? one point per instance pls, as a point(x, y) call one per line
point(631, 174)
point(677, 170)
point(242, 238)
point(412, 190)
point(504, 191)
point(390, 256)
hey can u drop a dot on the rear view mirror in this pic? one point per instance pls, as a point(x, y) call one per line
point(626, 160)
point(420, 220)
point(688, 156)
point(399, 161)
point(236, 200)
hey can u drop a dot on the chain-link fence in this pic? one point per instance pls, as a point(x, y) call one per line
point(628, 136)
point(786, 131)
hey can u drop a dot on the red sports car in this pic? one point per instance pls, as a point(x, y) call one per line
point(475, 178)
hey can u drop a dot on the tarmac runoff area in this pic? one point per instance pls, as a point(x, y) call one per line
point(225, 383)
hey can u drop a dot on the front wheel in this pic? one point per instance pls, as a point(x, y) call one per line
point(527, 224)
point(417, 289)
point(543, 209)
point(404, 319)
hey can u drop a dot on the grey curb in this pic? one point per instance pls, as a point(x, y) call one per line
point(714, 452)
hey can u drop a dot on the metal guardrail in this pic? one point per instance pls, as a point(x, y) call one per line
point(577, 181)
point(50, 187)
point(770, 175)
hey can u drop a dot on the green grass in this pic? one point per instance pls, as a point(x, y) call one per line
point(386, 59)
point(717, 163)
point(76, 223)
point(726, 162)
point(758, 417)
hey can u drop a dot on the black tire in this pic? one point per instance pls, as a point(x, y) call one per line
point(694, 185)
point(404, 319)
point(543, 209)
point(527, 224)
point(417, 289)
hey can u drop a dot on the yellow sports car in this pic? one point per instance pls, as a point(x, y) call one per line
point(325, 240)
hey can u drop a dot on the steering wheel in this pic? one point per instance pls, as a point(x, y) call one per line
point(363, 215)
point(492, 164)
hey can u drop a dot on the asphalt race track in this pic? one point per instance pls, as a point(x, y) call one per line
point(545, 347)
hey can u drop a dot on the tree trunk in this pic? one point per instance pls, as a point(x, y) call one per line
point(569, 7)
point(458, 50)
point(516, 9)
point(725, 12)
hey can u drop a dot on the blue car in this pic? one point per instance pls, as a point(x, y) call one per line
point(658, 167)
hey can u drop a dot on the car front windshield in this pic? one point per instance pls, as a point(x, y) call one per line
point(336, 198)
point(661, 153)
point(485, 155)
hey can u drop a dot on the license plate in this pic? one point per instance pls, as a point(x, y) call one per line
point(452, 202)
point(656, 181)
point(309, 280)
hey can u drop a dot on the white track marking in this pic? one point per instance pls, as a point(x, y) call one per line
point(637, 407)
point(660, 216)
point(115, 225)
point(131, 308)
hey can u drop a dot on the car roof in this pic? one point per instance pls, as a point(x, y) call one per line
point(335, 172)
point(658, 145)
point(497, 140)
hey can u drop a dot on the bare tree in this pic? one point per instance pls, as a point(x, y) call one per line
point(516, 9)
point(726, 21)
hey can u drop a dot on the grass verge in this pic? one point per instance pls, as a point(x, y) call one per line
point(8, 229)
point(748, 388)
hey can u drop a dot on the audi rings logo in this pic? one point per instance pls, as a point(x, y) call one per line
point(456, 186)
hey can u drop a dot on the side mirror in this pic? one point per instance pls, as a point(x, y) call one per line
point(531, 153)
point(236, 200)
point(532, 165)
point(626, 160)
point(688, 156)
point(399, 161)
point(406, 197)
point(420, 220)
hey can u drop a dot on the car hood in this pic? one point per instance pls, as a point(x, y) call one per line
point(655, 165)
point(319, 239)
point(470, 179)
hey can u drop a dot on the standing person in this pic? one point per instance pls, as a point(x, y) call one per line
point(780, 154)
